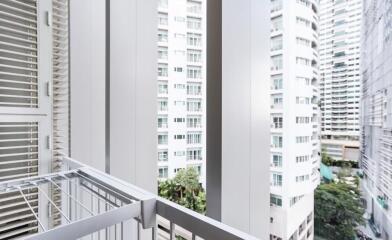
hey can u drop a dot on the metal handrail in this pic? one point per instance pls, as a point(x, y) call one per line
point(140, 205)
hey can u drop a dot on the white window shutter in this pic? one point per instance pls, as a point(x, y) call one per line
point(60, 111)
point(33, 104)
point(18, 54)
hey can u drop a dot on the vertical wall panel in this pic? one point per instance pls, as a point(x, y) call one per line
point(87, 63)
point(238, 114)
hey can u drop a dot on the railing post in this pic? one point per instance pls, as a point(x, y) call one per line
point(172, 229)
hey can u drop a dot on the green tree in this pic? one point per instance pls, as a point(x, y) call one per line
point(326, 159)
point(338, 211)
point(185, 190)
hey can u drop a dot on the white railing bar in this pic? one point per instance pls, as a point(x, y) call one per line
point(32, 210)
point(135, 192)
point(15, 184)
point(110, 190)
point(83, 227)
point(172, 231)
point(95, 195)
point(99, 196)
point(61, 189)
point(196, 223)
point(51, 202)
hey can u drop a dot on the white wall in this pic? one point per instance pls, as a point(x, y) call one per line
point(133, 92)
point(87, 63)
point(245, 115)
point(132, 136)
point(238, 114)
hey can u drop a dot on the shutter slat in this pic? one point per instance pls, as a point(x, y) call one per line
point(18, 161)
point(27, 214)
point(19, 168)
point(20, 11)
point(18, 54)
point(20, 175)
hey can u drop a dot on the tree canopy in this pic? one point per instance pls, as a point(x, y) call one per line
point(338, 211)
point(184, 189)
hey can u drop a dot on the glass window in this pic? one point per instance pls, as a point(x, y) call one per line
point(162, 19)
point(162, 35)
point(194, 7)
point(194, 122)
point(276, 24)
point(277, 160)
point(162, 70)
point(162, 105)
point(194, 154)
point(276, 62)
point(162, 88)
point(163, 172)
point(276, 200)
point(162, 53)
point(194, 23)
point(194, 56)
point(162, 121)
point(162, 138)
point(194, 39)
point(194, 138)
point(276, 5)
point(277, 141)
point(194, 105)
point(162, 155)
point(276, 43)
point(277, 82)
point(194, 72)
point(194, 89)
point(277, 179)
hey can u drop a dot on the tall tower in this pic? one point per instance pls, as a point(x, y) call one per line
point(294, 118)
point(181, 87)
point(376, 117)
point(340, 27)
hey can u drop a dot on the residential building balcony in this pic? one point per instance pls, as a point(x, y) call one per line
point(90, 204)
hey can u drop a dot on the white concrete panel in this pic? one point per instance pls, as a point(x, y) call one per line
point(87, 64)
point(133, 64)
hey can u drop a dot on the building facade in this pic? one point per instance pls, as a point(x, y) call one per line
point(181, 87)
point(294, 118)
point(376, 118)
point(340, 30)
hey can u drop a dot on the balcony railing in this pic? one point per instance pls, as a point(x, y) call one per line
point(81, 202)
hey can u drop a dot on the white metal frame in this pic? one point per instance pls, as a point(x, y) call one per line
point(140, 205)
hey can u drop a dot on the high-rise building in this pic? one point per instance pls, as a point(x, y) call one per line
point(294, 118)
point(181, 87)
point(340, 30)
point(376, 118)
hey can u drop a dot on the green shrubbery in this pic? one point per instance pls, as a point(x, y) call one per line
point(184, 189)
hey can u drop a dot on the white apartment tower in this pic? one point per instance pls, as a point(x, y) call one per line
point(376, 118)
point(294, 118)
point(340, 30)
point(181, 87)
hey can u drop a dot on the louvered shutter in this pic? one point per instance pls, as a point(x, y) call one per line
point(25, 108)
point(60, 95)
point(18, 54)
point(19, 150)
point(60, 80)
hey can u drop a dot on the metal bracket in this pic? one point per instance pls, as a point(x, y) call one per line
point(48, 18)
